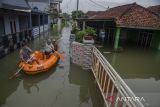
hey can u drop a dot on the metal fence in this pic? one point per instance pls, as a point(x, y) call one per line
point(114, 90)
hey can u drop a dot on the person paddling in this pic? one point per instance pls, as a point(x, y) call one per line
point(55, 44)
point(49, 48)
point(25, 54)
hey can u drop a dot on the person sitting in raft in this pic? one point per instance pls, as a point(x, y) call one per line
point(54, 44)
point(49, 48)
point(25, 54)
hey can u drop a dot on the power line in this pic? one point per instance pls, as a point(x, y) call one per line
point(97, 4)
point(93, 5)
point(66, 5)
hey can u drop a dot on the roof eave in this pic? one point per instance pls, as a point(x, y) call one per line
point(16, 8)
point(139, 27)
point(96, 19)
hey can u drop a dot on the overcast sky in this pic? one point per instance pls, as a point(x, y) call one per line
point(86, 5)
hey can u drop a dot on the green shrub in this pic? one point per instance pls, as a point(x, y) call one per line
point(90, 31)
point(74, 30)
point(80, 35)
point(55, 26)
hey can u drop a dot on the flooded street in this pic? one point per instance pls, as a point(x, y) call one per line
point(140, 69)
point(67, 86)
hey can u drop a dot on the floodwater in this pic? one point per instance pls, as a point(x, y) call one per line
point(140, 69)
point(65, 85)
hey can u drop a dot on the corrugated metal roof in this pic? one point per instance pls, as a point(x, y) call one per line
point(14, 4)
point(47, 1)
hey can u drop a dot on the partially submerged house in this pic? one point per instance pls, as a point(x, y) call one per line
point(126, 23)
point(19, 23)
point(14, 24)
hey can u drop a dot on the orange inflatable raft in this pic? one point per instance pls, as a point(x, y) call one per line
point(43, 66)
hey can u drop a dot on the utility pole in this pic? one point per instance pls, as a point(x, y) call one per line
point(77, 8)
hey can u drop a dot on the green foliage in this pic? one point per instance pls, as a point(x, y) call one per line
point(54, 26)
point(74, 28)
point(90, 31)
point(66, 16)
point(74, 14)
point(80, 35)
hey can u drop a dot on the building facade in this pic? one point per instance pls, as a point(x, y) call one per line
point(126, 24)
point(19, 23)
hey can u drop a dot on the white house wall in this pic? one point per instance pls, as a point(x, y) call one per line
point(7, 25)
point(42, 6)
point(17, 23)
point(7, 19)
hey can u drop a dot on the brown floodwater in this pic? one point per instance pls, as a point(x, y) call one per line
point(65, 85)
point(140, 69)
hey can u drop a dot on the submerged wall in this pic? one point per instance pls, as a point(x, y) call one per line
point(81, 54)
point(132, 35)
point(156, 40)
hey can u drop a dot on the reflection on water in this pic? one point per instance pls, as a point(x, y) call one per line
point(88, 88)
point(67, 86)
point(32, 81)
point(141, 71)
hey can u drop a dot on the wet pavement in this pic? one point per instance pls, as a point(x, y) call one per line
point(65, 85)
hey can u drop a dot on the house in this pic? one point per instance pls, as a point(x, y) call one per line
point(40, 10)
point(55, 5)
point(14, 29)
point(129, 23)
point(50, 6)
point(19, 23)
point(55, 10)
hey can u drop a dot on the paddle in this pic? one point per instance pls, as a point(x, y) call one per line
point(60, 55)
point(20, 69)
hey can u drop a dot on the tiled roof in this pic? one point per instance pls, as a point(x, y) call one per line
point(114, 12)
point(131, 15)
point(155, 9)
point(92, 14)
point(138, 16)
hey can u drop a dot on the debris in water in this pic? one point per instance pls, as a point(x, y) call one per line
point(107, 52)
point(99, 46)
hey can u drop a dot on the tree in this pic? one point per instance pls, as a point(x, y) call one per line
point(66, 16)
point(74, 14)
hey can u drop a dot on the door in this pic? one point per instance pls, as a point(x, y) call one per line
point(13, 26)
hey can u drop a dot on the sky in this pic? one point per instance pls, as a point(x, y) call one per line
point(87, 5)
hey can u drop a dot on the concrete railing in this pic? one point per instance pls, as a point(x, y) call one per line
point(35, 31)
point(46, 27)
point(10, 42)
point(114, 90)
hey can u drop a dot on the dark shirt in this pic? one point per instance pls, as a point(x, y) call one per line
point(25, 53)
